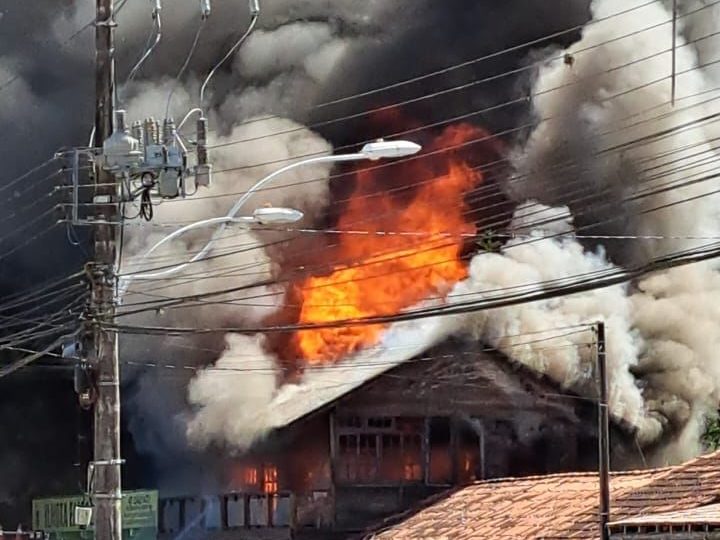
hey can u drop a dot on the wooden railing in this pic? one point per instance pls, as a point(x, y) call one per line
point(245, 510)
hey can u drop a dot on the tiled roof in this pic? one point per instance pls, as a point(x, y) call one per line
point(705, 515)
point(558, 506)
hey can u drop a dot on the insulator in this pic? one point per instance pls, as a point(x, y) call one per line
point(137, 132)
point(169, 132)
point(121, 121)
point(201, 132)
point(205, 8)
point(151, 132)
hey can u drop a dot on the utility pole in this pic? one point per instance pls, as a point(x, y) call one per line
point(106, 489)
point(603, 433)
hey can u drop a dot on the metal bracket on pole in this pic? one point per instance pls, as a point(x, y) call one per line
point(108, 23)
point(75, 186)
point(109, 462)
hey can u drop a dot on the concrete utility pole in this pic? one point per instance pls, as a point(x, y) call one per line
point(106, 488)
point(603, 433)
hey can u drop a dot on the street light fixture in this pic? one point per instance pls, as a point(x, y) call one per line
point(373, 151)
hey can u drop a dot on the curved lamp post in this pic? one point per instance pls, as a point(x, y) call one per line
point(371, 151)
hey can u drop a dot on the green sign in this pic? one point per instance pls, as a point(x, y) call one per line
point(56, 516)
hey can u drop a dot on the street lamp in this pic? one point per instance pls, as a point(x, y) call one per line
point(373, 151)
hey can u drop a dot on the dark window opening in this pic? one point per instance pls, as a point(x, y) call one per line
point(349, 422)
point(381, 422)
point(441, 463)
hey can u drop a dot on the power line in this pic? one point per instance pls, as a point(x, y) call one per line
point(440, 93)
point(488, 167)
point(580, 329)
point(644, 139)
point(677, 127)
point(270, 282)
point(618, 277)
point(532, 239)
point(467, 63)
point(27, 360)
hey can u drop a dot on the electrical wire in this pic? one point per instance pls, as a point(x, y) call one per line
point(35, 294)
point(198, 257)
point(360, 364)
point(523, 99)
point(4, 255)
point(238, 43)
point(471, 113)
point(620, 276)
point(196, 297)
point(467, 63)
point(184, 66)
point(10, 183)
point(149, 47)
point(654, 135)
point(28, 224)
point(27, 360)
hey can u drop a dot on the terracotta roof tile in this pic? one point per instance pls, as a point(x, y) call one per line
point(560, 506)
point(705, 515)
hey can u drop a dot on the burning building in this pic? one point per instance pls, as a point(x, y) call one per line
point(552, 154)
point(446, 418)
point(577, 180)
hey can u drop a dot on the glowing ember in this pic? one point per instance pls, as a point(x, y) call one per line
point(384, 274)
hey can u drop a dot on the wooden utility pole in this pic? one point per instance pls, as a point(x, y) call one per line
point(603, 433)
point(106, 489)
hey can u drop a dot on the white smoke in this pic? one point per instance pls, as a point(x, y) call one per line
point(233, 396)
point(662, 333)
point(241, 397)
point(569, 358)
point(266, 76)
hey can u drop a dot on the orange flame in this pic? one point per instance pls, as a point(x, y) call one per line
point(387, 273)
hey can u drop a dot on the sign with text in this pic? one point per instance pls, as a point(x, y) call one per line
point(55, 516)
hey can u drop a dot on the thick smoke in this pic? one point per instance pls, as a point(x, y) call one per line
point(608, 141)
point(579, 161)
point(606, 138)
point(279, 70)
point(614, 136)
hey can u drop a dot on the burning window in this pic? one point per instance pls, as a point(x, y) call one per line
point(270, 479)
point(412, 472)
point(250, 477)
point(387, 450)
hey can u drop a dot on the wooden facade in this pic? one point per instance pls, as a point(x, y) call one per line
point(418, 429)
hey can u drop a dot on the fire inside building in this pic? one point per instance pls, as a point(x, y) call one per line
point(416, 430)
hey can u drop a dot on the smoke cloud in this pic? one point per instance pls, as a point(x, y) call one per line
point(615, 91)
point(605, 142)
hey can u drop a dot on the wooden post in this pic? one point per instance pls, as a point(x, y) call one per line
point(603, 434)
point(106, 490)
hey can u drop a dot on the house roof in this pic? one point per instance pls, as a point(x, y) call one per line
point(559, 506)
point(321, 387)
point(324, 387)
